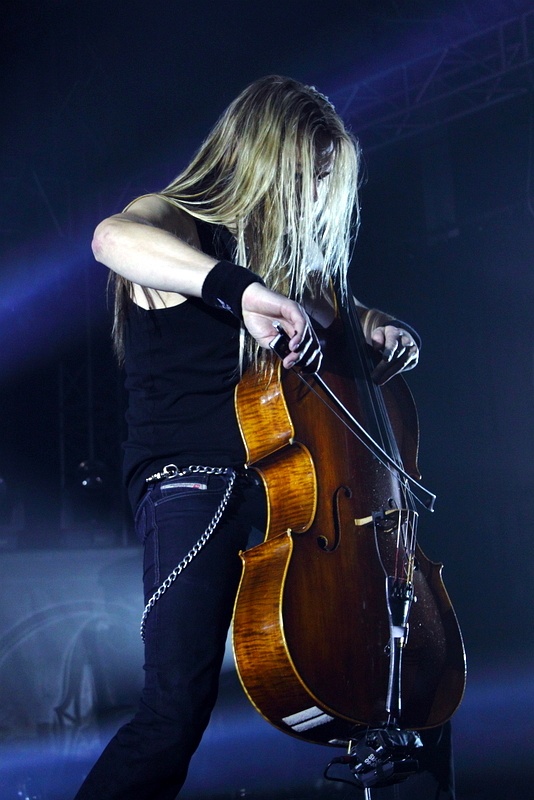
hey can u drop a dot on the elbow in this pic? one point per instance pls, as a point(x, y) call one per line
point(98, 245)
point(102, 242)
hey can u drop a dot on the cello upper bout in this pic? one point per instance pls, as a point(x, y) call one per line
point(262, 414)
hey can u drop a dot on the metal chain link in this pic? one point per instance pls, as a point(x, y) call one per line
point(172, 471)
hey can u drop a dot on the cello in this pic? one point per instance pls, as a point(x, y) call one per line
point(341, 624)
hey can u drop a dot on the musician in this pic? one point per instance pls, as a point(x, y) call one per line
point(251, 233)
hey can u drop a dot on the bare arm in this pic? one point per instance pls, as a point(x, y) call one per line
point(155, 245)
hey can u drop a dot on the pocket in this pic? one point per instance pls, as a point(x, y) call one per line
point(188, 485)
point(183, 486)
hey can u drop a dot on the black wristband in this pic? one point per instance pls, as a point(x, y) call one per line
point(224, 285)
point(398, 323)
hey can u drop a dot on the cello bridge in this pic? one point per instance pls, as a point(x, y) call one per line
point(389, 521)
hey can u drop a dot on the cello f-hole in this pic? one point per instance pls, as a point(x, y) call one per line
point(322, 541)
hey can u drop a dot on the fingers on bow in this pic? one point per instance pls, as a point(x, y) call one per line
point(307, 355)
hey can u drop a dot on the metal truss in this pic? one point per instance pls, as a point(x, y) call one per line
point(491, 67)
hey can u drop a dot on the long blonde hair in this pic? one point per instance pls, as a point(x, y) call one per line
point(255, 173)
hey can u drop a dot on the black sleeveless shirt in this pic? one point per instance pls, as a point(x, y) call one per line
point(182, 367)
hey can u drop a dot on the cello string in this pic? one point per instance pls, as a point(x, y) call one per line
point(378, 405)
point(375, 394)
point(351, 317)
point(406, 545)
point(406, 529)
point(406, 539)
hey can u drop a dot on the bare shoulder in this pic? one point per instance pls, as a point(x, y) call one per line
point(161, 212)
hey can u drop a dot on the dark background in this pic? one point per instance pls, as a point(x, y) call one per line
point(102, 101)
